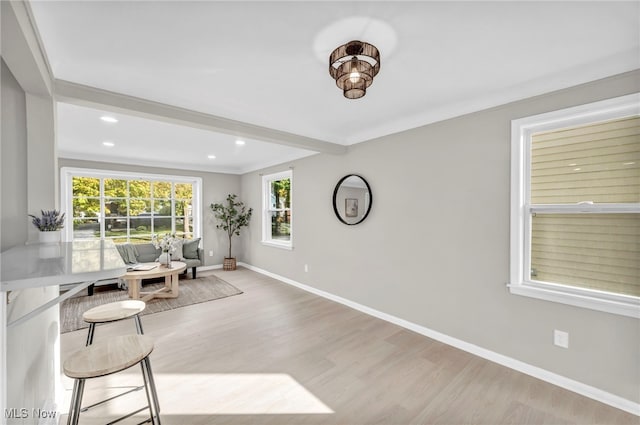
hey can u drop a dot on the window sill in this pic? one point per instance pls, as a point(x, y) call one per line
point(286, 246)
point(623, 306)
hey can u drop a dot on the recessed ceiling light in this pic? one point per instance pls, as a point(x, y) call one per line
point(240, 142)
point(629, 163)
point(573, 164)
point(108, 144)
point(211, 156)
point(108, 119)
point(577, 169)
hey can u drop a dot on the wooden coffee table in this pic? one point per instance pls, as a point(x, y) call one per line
point(170, 289)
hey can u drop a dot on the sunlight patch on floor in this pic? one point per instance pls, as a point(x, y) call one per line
point(203, 394)
point(210, 394)
point(244, 393)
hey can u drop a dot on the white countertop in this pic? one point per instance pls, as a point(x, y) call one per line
point(35, 265)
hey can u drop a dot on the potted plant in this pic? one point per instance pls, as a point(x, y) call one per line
point(232, 216)
point(49, 224)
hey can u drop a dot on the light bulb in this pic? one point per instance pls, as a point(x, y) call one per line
point(354, 77)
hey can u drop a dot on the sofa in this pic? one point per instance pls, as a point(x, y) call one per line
point(189, 253)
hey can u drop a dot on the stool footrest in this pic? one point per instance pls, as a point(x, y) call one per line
point(84, 409)
point(129, 415)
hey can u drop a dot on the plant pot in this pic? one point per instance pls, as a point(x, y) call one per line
point(229, 263)
point(49, 244)
point(53, 236)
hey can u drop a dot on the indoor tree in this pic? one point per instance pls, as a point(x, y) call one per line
point(232, 216)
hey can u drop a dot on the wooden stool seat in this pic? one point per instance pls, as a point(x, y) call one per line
point(114, 311)
point(110, 356)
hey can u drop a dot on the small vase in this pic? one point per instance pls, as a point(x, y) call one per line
point(49, 244)
point(165, 259)
point(49, 237)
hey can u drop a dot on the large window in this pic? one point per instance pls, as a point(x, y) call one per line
point(276, 217)
point(575, 218)
point(129, 207)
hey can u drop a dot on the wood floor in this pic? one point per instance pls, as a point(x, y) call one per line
point(279, 355)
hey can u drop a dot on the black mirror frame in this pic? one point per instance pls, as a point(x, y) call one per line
point(335, 194)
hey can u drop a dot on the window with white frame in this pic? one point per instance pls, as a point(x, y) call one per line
point(276, 209)
point(128, 207)
point(575, 206)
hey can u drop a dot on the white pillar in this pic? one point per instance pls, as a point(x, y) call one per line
point(42, 161)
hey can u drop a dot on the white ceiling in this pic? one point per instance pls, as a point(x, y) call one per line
point(140, 141)
point(266, 63)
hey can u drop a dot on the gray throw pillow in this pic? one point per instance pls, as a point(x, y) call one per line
point(178, 253)
point(190, 248)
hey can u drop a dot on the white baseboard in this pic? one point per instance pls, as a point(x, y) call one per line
point(537, 372)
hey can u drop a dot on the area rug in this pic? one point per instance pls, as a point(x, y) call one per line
point(192, 291)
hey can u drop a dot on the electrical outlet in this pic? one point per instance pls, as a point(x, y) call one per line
point(561, 338)
point(306, 268)
point(210, 253)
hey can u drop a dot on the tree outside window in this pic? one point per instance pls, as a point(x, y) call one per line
point(130, 209)
point(277, 211)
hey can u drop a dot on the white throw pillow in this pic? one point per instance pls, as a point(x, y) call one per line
point(177, 254)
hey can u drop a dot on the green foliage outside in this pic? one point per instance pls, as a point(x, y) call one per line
point(281, 189)
point(281, 200)
point(132, 208)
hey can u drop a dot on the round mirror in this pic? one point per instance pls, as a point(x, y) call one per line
point(352, 199)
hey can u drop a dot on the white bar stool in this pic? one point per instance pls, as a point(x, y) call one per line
point(112, 312)
point(106, 357)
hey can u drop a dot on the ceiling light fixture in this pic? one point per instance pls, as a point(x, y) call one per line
point(240, 142)
point(211, 156)
point(353, 66)
point(108, 144)
point(108, 119)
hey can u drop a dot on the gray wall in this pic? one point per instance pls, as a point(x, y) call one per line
point(13, 220)
point(435, 247)
point(215, 188)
